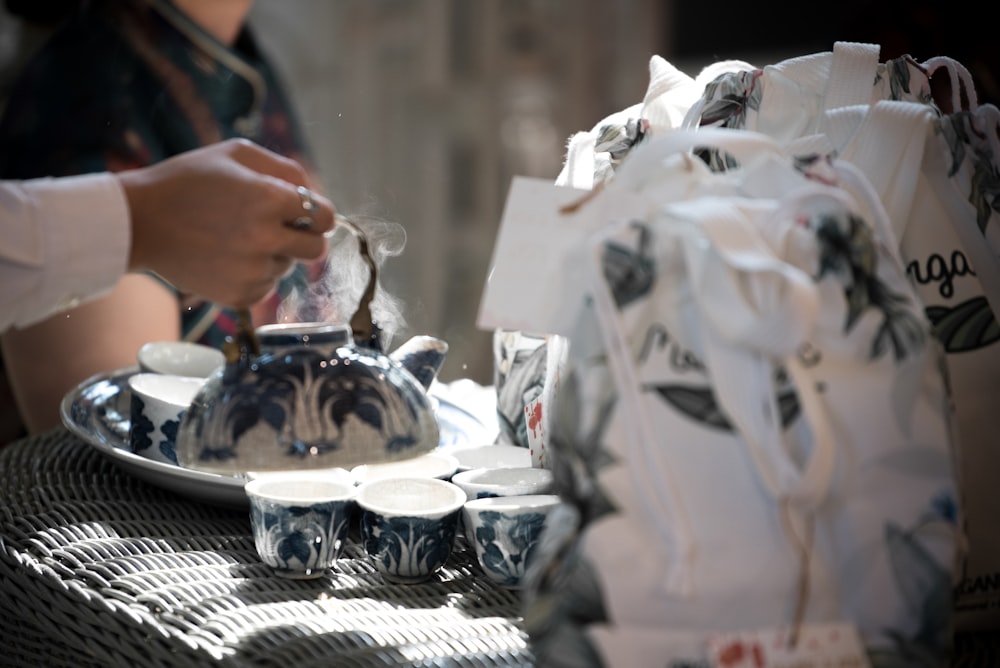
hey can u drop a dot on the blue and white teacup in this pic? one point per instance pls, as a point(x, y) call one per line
point(408, 525)
point(300, 521)
point(483, 483)
point(505, 531)
point(156, 407)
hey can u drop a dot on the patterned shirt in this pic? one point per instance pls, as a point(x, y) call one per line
point(125, 84)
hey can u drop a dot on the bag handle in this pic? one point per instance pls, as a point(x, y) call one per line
point(888, 147)
point(960, 80)
point(723, 278)
point(736, 280)
point(646, 159)
point(852, 73)
point(657, 494)
point(759, 310)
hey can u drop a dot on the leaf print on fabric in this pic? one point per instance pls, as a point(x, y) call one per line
point(966, 142)
point(565, 593)
point(925, 585)
point(697, 403)
point(581, 455)
point(903, 79)
point(848, 253)
point(968, 326)
point(728, 97)
point(618, 140)
point(700, 404)
point(985, 193)
point(725, 103)
point(629, 273)
point(955, 138)
point(898, 70)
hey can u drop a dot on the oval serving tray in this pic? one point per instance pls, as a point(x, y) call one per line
point(97, 410)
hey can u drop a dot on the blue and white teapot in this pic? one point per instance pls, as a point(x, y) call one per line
point(313, 395)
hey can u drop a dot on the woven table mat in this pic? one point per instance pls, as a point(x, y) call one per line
point(98, 568)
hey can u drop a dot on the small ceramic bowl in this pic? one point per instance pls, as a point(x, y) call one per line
point(506, 481)
point(408, 525)
point(505, 531)
point(431, 465)
point(498, 455)
point(156, 407)
point(300, 521)
point(180, 358)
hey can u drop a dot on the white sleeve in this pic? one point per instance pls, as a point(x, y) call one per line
point(63, 241)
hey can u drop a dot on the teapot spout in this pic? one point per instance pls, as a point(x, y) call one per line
point(422, 356)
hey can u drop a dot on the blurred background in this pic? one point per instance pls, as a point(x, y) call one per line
point(420, 111)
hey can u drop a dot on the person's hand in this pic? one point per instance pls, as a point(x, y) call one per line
point(225, 221)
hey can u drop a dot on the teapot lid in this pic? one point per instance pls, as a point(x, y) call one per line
point(286, 334)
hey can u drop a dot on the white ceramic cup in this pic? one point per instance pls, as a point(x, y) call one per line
point(300, 520)
point(491, 456)
point(431, 465)
point(156, 407)
point(180, 358)
point(408, 525)
point(505, 531)
point(505, 481)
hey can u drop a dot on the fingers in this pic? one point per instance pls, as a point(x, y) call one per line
point(301, 217)
point(259, 159)
point(252, 289)
point(311, 214)
point(302, 245)
point(315, 207)
point(301, 202)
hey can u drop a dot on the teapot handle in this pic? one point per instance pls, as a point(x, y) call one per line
point(363, 326)
point(242, 349)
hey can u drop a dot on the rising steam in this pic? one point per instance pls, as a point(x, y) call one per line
point(333, 295)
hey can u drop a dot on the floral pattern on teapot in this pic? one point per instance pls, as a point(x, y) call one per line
point(306, 407)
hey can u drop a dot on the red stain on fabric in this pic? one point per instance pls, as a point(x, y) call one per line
point(535, 418)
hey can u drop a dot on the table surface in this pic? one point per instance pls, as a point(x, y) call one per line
point(99, 568)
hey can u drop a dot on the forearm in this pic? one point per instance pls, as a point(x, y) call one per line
point(65, 241)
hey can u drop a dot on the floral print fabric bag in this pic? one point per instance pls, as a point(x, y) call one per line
point(935, 165)
point(752, 430)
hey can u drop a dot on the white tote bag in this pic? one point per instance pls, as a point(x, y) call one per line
point(754, 434)
point(936, 173)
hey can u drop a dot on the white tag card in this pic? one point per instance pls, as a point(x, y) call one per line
point(830, 645)
point(532, 285)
